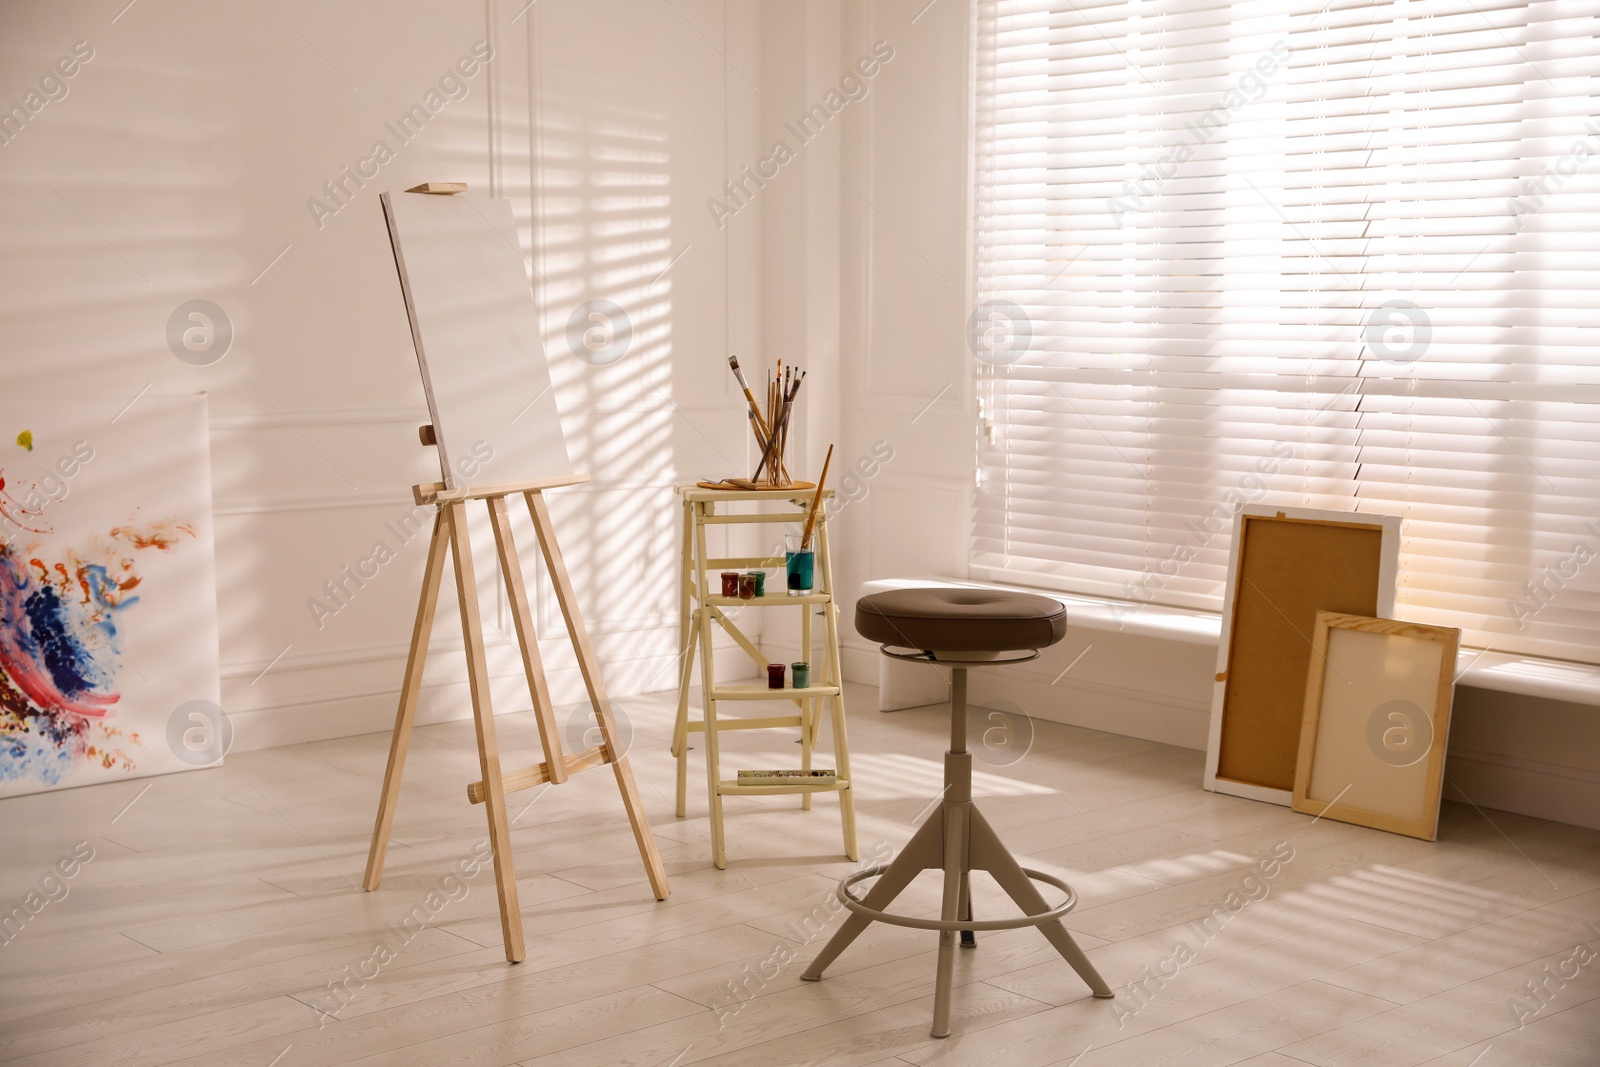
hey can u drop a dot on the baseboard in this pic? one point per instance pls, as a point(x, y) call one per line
point(1097, 707)
point(1093, 706)
point(1524, 786)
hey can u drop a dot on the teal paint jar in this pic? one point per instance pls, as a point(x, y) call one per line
point(800, 567)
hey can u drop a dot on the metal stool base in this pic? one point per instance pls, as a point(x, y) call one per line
point(956, 839)
point(965, 924)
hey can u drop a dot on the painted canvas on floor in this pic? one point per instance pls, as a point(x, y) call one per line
point(108, 614)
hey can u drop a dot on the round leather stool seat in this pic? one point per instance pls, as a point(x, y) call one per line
point(945, 619)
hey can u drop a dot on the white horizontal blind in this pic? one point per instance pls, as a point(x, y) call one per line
point(1341, 255)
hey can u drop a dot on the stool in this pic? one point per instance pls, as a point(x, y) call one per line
point(960, 628)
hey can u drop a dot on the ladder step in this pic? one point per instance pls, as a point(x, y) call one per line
point(759, 691)
point(768, 600)
point(765, 516)
point(765, 722)
point(539, 773)
point(731, 787)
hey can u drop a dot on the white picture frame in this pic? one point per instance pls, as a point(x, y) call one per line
point(1389, 564)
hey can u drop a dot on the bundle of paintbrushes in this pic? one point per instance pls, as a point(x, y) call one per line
point(770, 424)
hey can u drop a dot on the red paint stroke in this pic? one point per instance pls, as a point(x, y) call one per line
point(19, 514)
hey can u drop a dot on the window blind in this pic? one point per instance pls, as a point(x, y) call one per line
point(1328, 254)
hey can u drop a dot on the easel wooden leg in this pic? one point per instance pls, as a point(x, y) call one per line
point(505, 876)
point(412, 685)
point(527, 639)
point(589, 666)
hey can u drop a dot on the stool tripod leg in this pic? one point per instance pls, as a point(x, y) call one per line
point(988, 854)
point(925, 851)
point(955, 882)
point(968, 938)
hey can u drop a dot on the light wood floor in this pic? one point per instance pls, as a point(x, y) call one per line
point(221, 903)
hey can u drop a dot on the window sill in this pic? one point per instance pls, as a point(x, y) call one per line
point(1479, 668)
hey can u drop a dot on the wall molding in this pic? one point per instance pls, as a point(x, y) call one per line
point(398, 498)
point(317, 660)
point(398, 650)
point(323, 714)
point(374, 498)
point(260, 505)
point(273, 420)
point(652, 402)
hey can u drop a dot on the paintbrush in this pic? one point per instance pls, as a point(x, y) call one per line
point(816, 502)
point(773, 451)
point(755, 408)
point(762, 434)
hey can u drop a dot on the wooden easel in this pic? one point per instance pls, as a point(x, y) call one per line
point(450, 534)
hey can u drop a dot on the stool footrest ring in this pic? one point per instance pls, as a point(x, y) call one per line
point(855, 904)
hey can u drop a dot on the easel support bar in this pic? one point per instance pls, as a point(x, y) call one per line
point(439, 493)
point(539, 773)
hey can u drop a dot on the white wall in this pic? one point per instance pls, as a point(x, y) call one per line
point(893, 253)
point(179, 166)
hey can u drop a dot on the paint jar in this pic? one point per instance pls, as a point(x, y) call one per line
point(730, 583)
point(774, 676)
point(747, 587)
point(802, 674)
point(761, 582)
point(800, 564)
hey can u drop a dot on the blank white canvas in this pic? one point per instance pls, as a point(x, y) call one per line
point(1364, 672)
point(476, 332)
